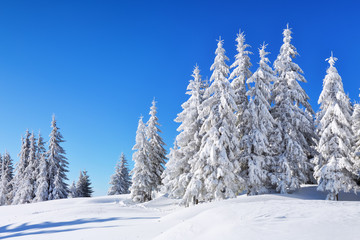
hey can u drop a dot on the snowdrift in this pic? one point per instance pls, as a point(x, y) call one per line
point(302, 215)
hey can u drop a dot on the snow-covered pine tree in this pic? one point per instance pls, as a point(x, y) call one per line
point(173, 170)
point(334, 165)
point(142, 175)
point(33, 163)
point(120, 180)
point(83, 185)
point(3, 183)
point(1, 163)
point(356, 130)
point(215, 167)
point(177, 173)
point(239, 75)
point(72, 191)
point(57, 164)
point(157, 153)
point(42, 180)
point(22, 186)
point(294, 115)
point(7, 176)
point(258, 142)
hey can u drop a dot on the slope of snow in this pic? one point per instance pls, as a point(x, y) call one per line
point(302, 215)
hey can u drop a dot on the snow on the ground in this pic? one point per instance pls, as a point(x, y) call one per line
point(301, 215)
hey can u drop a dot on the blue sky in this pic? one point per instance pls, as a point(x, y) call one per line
point(97, 65)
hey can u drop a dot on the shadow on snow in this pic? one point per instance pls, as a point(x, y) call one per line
point(42, 227)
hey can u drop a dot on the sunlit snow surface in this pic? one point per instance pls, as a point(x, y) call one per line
point(302, 215)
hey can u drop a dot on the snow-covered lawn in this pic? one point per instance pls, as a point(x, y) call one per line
point(302, 215)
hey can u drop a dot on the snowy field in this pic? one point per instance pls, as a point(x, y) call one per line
point(302, 215)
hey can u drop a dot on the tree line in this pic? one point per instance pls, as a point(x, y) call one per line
point(254, 132)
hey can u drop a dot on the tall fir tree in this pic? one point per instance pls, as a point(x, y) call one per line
point(214, 169)
point(334, 165)
point(261, 138)
point(142, 175)
point(3, 182)
point(57, 164)
point(239, 76)
point(177, 173)
point(23, 187)
point(120, 180)
point(42, 180)
point(83, 185)
point(294, 115)
point(33, 163)
point(356, 130)
point(157, 153)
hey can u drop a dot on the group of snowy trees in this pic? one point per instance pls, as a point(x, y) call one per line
point(257, 133)
point(82, 188)
point(40, 175)
point(149, 158)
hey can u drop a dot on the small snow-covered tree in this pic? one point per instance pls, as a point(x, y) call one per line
point(177, 173)
point(142, 175)
point(157, 152)
point(294, 115)
point(22, 184)
point(72, 191)
point(42, 179)
point(239, 75)
point(57, 164)
point(120, 180)
point(334, 165)
point(258, 142)
point(215, 167)
point(83, 185)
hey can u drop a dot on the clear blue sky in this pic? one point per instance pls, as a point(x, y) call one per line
point(98, 64)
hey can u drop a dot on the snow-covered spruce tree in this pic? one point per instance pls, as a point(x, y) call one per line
point(157, 152)
point(294, 115)
point(356, 130)
point(215, 167)
point(120, 180)
point(72, 191)
point(33, 163)
point(334, 165)
point(239, 75)
point(7, 177)
point(142, 175)
point(42, 180)
point(57, 164)
point(1, 163)
point(83, 185)
point(22, 183)
point(3, 183)
point(258, 142)
point(177, 173)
